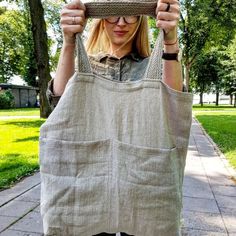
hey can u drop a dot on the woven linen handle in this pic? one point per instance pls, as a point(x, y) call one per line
point(102, 10)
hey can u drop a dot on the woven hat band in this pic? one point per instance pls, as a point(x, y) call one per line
point(115, 8)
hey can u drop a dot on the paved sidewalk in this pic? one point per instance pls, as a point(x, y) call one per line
point(209, 196)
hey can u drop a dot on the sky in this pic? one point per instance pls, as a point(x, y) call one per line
point(9, 6)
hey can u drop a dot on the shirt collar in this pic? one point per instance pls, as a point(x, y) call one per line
point(133, 55)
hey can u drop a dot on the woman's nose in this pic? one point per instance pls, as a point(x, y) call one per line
point(121, 21)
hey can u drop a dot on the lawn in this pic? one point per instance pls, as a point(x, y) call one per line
point(220, 124)
point(19, 148)
point(20, 112)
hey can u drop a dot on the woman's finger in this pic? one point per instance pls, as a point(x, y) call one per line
point(76, 4)
point(67, 12)
point(72, 20)
point(163, 7)
point(168, 14)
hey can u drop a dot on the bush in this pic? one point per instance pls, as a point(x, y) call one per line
point(6, 99)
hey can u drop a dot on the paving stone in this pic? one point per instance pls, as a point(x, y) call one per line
point(198, 181)
point(5, 221)
point(17, 208)
point(37, 209)
point(193, 154)
point(222, 180)
point(18, 233)
point(31, 196)
point(229, 216)
point(4, 200)
point(30, 223)
point(225, 201)
point(20, 188)
point(200, 191)
point(191, 232)
point(9, 194)
point(197, 172)
point(200, 205)
point(203, 221)
point(193, 161)
point(224, 190)
point(215, 167)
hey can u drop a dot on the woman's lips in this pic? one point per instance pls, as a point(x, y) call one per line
point(120, 33)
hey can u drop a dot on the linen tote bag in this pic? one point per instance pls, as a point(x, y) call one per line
point(112, 154)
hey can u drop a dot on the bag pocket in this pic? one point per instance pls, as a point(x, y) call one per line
point(74, 189)
point(148, 183)
point(74, 159)
point(147, 166)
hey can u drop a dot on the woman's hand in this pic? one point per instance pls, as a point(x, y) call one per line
point(72, 21)
point(168, 14)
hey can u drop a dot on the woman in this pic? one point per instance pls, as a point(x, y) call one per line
point(118, 46)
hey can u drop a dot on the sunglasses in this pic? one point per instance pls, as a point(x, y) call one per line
point(127, 19)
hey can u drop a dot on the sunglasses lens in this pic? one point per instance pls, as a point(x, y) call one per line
point(131, 19)
point(112, 20)
point(127, 19)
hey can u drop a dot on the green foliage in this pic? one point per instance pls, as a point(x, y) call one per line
point(29, 73)
point(207, 28)
point(2, 10)
point(6, 99)
point(52, 16)
point(154, 31)
point(230, 69)
point(16, 53)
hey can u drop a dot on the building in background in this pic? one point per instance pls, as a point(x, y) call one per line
point(24, 96)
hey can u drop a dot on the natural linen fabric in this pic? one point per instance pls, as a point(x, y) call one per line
point(104, 8)
point(112, 155)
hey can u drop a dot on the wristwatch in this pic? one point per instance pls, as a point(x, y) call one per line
point(177, 56)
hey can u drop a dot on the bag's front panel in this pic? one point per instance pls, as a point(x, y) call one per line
point(131, 114)
point(142, 167)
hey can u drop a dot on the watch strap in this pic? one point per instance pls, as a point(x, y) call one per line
point(170, 56)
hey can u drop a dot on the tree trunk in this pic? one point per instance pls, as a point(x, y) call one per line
point(187, 76)
point(231, 98)
point(41, 49)
point(217, 98)
point(201, 98)
point(235, 100)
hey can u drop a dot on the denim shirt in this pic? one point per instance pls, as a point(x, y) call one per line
point(129, 68)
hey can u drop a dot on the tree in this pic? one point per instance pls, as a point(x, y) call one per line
point(201, 76)
point(17, 52)
point(30, 72)
point(230, 71)
point(52, 17)
point(12, 41)
point(41, 49)
point(205, 23)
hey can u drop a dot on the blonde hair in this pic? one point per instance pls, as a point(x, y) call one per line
point(98, 40)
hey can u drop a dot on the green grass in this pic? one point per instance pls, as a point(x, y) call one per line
point(220, 124)
point(20, 112)
point(213, 107)
point(19, 149)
